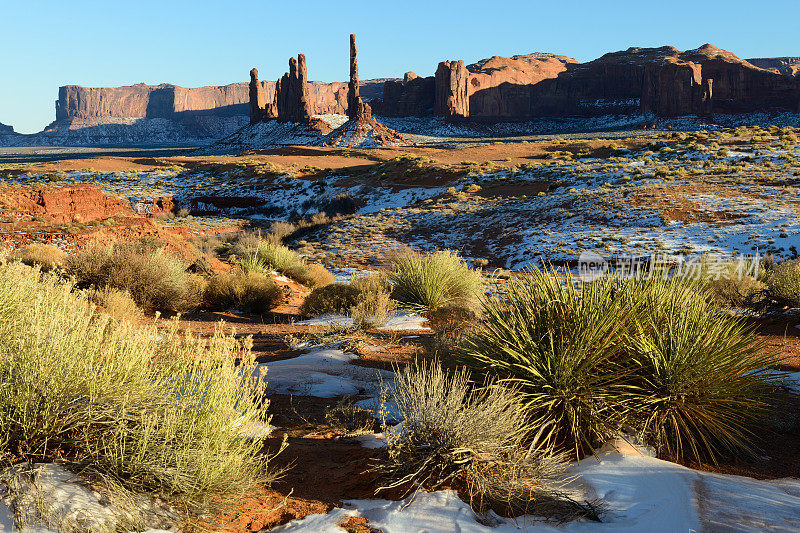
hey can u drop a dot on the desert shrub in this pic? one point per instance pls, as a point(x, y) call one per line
point(333, 298)
point(559, 342)
point(699, 376)
point(281, 229)
point(155, 279)
point(155, 411)
point(313, 275)
point(118, 304)
point(264, 256)
point(737, 291)
point(253, 292)
point(456, 435)
point(348, 419)
point(374, 303)
point(45, 256)
point(430, 281)
point(783, 281)
point(652, 353)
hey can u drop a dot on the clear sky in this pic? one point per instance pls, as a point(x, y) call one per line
point(101, 43)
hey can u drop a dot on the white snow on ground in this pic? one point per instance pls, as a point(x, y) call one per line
point(325, 373)
point(640, 493)
point(792, 381)
point(402, 320)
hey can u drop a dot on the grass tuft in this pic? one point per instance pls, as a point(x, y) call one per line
point(430, 281)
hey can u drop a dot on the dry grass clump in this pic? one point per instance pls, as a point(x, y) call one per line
point(118, 304)
point(155, 279)
point(783, 281)
point(46, 256)
point(737, 291)
point(374, 303)
point(333, 298)
point(264, 256)
point(252, 292)
point(456, 435)
point(648, 354)
point(430, 281)
point(154, 412)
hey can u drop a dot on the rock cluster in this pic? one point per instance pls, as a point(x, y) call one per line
point(291, 93)
point(67, 204)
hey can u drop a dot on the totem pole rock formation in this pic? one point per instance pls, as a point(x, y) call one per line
point(451, 98)
point(256, 109)
point(291, 93)
point(356, 108)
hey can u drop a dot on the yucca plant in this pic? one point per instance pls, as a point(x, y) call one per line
point(431, 281)
point(699, 376)
point(560, 343)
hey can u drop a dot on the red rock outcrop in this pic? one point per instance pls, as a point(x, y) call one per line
point(66, 204)
point(256, 105)
point(411, 97)
point(356, 108)
point(292, 95)
point(789, 66)
point(451, 99)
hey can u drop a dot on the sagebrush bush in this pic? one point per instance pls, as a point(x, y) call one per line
point(45, 256)
point(333, 298)
point(156, 279)
point(454, 434)
point(430, 281)
point(252, 292)
point(374, 303)
point(118, 304)
point(156, 411)
point(783, 281)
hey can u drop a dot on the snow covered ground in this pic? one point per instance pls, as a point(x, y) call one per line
point(639, 493)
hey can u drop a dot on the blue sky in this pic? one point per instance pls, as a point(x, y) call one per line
point(45, 44)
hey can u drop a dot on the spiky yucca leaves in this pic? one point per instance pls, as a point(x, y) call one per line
point(699, 375)
point(455, 434)
point(430, 281)
point(560, 343)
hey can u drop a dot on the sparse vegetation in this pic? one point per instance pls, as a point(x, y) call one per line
point(783, 281)
point(155, 279)
point(374, 303)
point(333, 298)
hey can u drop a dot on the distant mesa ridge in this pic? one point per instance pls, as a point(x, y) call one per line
point(663, 81)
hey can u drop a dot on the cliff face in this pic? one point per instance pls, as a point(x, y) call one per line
point(6, 130)
point(663, 80)
point(790, 66)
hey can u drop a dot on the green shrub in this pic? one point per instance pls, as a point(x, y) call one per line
point(248, 291)
point(434, 280)
point(560, 344)
point(653, 354)
point(157, 412)
point(155, 279)
point(334, 298)
point(45, 256)
point(456, 435)
point(783, 282)
point(699, 376)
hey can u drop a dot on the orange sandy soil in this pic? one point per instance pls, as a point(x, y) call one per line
point(296, 159)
